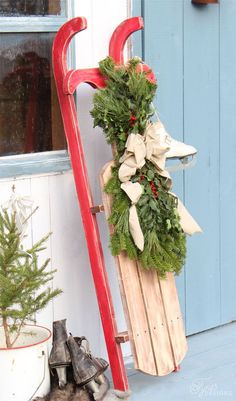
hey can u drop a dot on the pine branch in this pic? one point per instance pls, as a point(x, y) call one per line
point(124, 107)
point(22, 279)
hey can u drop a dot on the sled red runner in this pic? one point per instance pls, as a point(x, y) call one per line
point(154, 320)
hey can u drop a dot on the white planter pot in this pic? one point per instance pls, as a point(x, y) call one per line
point(24, 368)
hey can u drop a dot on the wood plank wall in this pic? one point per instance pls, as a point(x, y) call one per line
point(58, 207)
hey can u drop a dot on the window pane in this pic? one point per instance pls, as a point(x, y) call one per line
point(31, 7)
point(30, 119)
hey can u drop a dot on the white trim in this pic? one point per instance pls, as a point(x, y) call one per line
point(24, 177)
point(51, 155)
point(34, 163)
point(31, 24)
point(129, 41)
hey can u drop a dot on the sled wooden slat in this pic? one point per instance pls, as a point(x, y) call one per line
point(174, 318)
point(139, 336)
point(151, 309)
point(132, 299)
point(152, 299)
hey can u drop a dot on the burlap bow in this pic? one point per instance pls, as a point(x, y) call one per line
point(157, 143)
point(133, 157)
point(153, 146)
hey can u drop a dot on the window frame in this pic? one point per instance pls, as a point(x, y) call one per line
point(31, 24)
point(49, 161)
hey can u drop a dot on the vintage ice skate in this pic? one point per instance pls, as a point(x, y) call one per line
point(87, 370)
point(60, 357)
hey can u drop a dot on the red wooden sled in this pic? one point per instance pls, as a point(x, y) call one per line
point(157, 339)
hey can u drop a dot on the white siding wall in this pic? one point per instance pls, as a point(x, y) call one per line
point(58, 206)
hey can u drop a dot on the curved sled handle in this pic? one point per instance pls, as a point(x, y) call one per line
point(71, 79)
point(91, 76)
point(120, 36)
point(118, 40)
point(63, 39)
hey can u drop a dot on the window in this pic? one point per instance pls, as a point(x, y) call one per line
point(30, 7)
point(30, 118)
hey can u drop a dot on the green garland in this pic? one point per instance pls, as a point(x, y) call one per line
point(124, 107)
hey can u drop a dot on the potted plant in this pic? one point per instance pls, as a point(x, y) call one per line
point(23, 347)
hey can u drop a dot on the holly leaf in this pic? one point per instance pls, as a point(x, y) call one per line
point(150, 175)
point(168, 224)
point(122, 136)
point(148, 190)
point(144, 199)
point(153, 205)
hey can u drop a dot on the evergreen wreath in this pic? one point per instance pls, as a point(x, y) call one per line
point(122, 108)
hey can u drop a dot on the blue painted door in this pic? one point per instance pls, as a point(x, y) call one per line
point(192, 50)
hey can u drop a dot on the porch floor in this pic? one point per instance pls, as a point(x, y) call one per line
point(207, 373)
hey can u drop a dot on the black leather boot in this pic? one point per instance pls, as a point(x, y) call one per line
point(100, 363)
point(88, 370)
point(59, 357)
point(84, 367)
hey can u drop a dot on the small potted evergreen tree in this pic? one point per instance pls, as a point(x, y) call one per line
point(23, 347)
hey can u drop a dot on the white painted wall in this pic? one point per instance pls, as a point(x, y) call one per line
point(58, 206)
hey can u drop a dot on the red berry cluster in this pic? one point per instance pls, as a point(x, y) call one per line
point(132, 120)
point(154, 189)
point(152, 185)
point(141, 178)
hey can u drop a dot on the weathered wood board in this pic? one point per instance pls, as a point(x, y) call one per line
point(152, 310)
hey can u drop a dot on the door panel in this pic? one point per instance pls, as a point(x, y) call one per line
point(201, 126)
point(228, 158)
point(192, 53)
